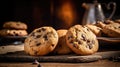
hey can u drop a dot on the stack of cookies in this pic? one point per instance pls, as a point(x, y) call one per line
point(108, 28)
point(14, 28)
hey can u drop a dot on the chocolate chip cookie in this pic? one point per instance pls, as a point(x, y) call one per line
point(41, 41)
point(95, 29)
point(62, 47)
point(7, 32)
point(112, 29)
point(82, 40)
point(15, 25)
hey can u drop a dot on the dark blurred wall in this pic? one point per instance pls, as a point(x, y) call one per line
point(37, 13)
point(6, 11)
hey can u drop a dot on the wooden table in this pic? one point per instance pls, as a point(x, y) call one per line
point(100, 63)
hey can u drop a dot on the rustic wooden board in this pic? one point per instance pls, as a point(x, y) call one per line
point(11, 48)
point(15, 53)
point(22, 57)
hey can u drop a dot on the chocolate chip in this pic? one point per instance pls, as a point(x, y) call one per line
point(32, 34)
point(2, 47)
point(38, 44)
point(52, 45)
point(52, 34)
point(16, 34)
point(76, 40)
point(88, 29)
point(88, 41)
point(79, 42)
point(77, 29)
point(38, 36)
point(83, 37)
point(45, 37)
point(70, 37)
point(43, 29)
point(38, 30)
point(76, 46)
point(90, 46)
point(71, 41)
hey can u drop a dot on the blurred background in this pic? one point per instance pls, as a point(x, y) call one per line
point(56, 13)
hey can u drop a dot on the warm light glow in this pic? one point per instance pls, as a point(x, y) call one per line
point(67, 13)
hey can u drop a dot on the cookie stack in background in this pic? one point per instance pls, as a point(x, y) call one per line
point(14, 28)
point(110, 28)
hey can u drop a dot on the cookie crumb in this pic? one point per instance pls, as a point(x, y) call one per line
point(35, 62)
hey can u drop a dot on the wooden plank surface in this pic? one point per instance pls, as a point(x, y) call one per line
point(100, 63)
point(22, 57)
point(11, 48)
point(15, 53)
